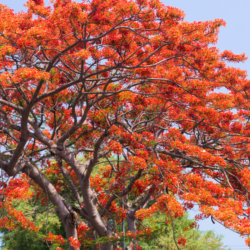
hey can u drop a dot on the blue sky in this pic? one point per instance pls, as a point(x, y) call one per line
point(235, 36)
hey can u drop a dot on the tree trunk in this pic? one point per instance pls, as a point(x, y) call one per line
point(71, 231)
point(108, 245)
point(94, 218)
point(131, 225)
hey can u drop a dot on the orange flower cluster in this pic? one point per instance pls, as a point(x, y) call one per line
point(82, 231)
point(182, 241)
point(74, 243)
point(14, 219)
point(55, 238)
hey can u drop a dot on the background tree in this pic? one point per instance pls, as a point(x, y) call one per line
point(129, 80)
point(46, 221)
point(185, 228)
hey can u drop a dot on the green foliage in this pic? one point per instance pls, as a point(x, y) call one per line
point(183, 227)
point(44, 217)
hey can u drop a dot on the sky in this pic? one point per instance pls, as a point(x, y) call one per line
point(235, 36)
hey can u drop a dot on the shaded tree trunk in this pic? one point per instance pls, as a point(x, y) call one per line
point(131, 225)
point(71, 231)
point(131, 222)
point(108, 245)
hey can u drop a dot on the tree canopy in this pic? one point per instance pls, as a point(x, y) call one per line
point(111, 111)
point(184, 228)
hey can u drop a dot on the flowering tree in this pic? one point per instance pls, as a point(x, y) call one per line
point(131, 87)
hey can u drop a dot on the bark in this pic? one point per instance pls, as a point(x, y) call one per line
point(71, 231)
point(131, 224)
point(90, 208)
point(131, 220)
point(65, 213)
point(108, 245)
